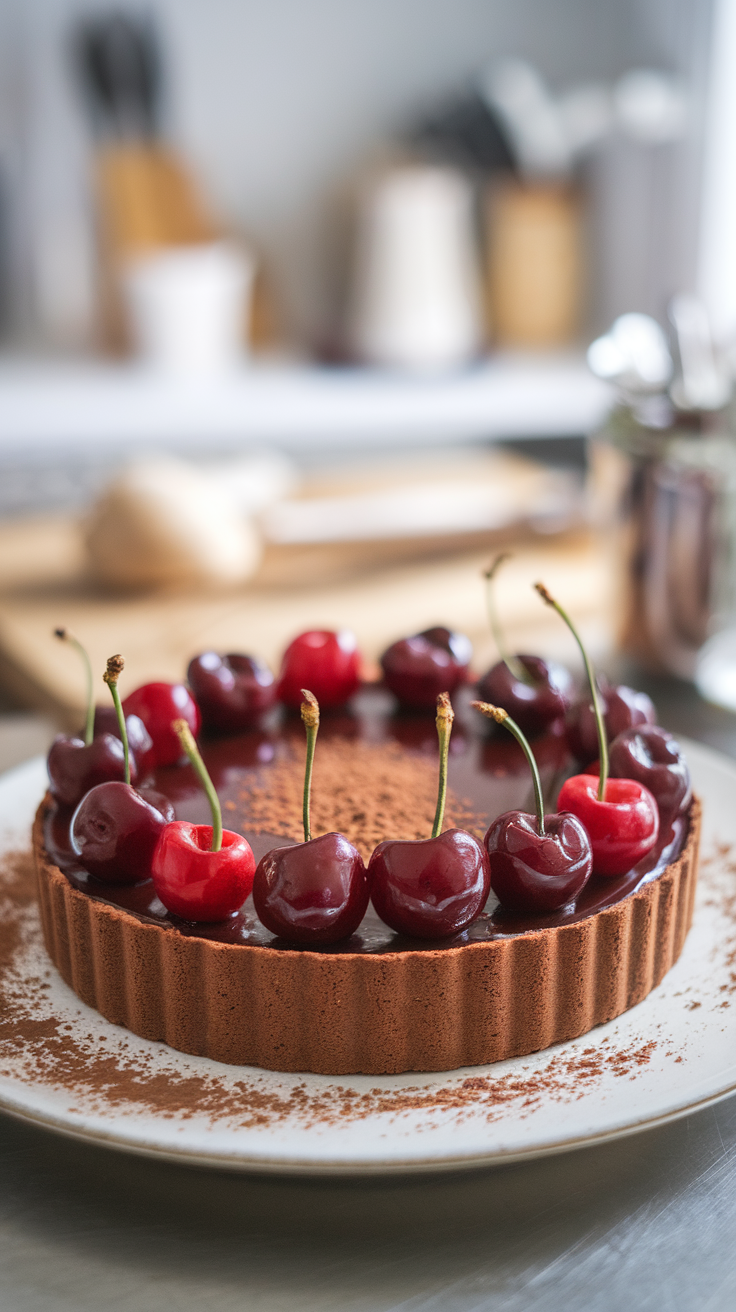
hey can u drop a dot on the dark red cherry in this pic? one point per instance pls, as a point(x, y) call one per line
point(74, 768)
point(232, 691)
point(623, 708)
point(327, 663)
point(430, 887)
point(418, 669)
point(114, 833)
point(159, 705)
point(139, 739)
point(196, 883)
point(535, 872)
point(654, 758)
point(315, 892)
point(534, 705)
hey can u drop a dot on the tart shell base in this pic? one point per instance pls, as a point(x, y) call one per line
point(352, 1013)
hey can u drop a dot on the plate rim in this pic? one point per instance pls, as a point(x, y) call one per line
point(343, 1167)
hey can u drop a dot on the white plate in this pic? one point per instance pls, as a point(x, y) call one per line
point(672, 1054)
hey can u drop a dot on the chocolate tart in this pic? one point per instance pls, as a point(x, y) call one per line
point(375, 1003)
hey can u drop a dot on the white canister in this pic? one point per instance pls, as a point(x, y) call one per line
point(187, 306)
point(416, 299)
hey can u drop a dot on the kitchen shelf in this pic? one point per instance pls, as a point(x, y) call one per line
point(91, 409)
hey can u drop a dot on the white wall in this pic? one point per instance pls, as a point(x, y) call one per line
point(275, 101)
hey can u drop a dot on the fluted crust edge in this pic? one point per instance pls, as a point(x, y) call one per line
point(348, 1013)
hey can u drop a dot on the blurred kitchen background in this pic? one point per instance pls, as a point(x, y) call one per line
point(296, 301)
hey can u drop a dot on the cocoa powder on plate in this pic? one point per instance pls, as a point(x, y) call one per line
point(111, 1071)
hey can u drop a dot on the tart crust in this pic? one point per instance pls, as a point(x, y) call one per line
point(351, 1013)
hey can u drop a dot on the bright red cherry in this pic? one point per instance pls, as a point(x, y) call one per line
point(431, 887)
point(74, 767)
point(540, 862)
point(114, 832)
point(623, 708)
point(158, 705)
point(534, 702)
point(418, 669)
point(314, 892)
point(195, 882)
point(654, 758)
point(232, 691)
point(623, 825)
point(327, 663)
point(620, 815)
point(201, 872)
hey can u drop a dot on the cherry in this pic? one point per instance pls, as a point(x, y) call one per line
point(158, 705)
point(418, 669)
point(74, 766)
point(431, 887)
point(623, 708)
point(201, 872)
point(326, 662)
point(652, 756)
point(540, 862)
point(620, 815)
point(535, 702)
point(317, 891)
point(139, 739)
point(623, 824)
point(77, 764)
point(114, 831)
point(534, 691)
point(232, 691)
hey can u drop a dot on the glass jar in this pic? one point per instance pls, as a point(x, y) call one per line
point(663, 489)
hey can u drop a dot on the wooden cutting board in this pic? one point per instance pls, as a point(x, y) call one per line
point(42, 586)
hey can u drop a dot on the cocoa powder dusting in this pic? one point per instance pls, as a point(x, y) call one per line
point(365, 791)
point(110, 1070)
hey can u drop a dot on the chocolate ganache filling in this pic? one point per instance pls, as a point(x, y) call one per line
point(375, 778)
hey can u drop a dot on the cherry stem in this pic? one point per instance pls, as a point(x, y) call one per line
point(89, 728)
point(445, 717)
point(599, 721)
point(502, 717)
point(115, 667)
point(186, 738)
point(515, 667)
point(310, 720)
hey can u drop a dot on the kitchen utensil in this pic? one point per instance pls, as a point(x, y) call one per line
point(534, 263)
point(185, 306)
point(416, 295)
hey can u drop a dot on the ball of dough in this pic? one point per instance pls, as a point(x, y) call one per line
point(162, 522)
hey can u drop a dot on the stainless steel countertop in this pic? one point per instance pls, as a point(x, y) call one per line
point(644, 1223)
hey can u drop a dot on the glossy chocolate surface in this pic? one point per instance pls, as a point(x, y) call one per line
point(486, 767)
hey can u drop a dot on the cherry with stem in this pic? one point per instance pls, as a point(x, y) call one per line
point(74, 764)
point(114, 830)
point(538, 864)
point(534, 691)
point(432, 887)
point(201, 872)
point(315, 892)
point(513, 663)
point(65, 636)
point(620, 815)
